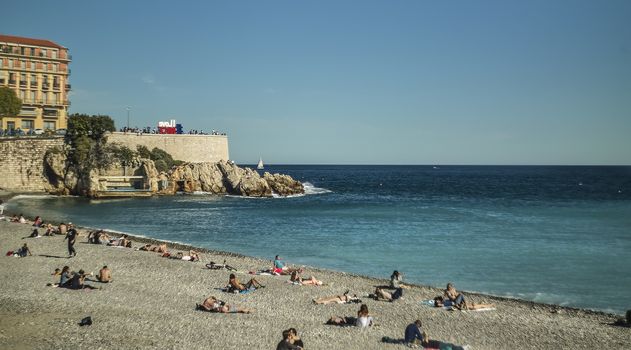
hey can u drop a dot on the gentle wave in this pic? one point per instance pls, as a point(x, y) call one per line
point(33, 196)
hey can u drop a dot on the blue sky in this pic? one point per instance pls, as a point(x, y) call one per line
point(357, 82)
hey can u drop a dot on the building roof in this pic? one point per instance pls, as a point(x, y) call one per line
point(29, 41)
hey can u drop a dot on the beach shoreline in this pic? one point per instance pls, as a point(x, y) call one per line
point(177, 285)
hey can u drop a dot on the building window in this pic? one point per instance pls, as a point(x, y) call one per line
point(32, 96)
point(22, 94)
point(27, 124)
point(43, 53)
point(23, 64)
point(10, 63)
point(32, 51)
point(33, 80)
point(49, 125)
point(54, 54)
point(50, 112)
point(11, 125)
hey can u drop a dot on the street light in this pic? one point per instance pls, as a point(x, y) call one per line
point(128, 109)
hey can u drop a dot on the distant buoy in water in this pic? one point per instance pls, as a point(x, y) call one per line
point(580, 184)
point(380, 184)
point(619, 191)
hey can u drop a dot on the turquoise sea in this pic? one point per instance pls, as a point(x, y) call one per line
point(550, 234)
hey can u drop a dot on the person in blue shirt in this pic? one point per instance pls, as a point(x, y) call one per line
point(413, 335)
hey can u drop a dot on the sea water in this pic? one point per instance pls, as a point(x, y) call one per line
point(558, 235)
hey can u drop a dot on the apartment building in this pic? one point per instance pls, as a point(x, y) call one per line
point(37, 70)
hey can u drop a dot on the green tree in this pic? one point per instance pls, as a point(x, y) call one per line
point(86, 137)
point(10, 104)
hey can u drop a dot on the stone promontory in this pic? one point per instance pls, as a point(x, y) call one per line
point(215, 178)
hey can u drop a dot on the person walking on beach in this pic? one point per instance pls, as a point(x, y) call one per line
point(71, 236)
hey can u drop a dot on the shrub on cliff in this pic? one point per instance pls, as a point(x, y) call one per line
point(163, 160)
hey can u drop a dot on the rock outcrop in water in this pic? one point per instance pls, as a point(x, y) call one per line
point(227, 178)
point(217, 178)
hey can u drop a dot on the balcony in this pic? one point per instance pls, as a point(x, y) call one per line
point(30, 101)
point(56, 86)
point(12, 82)
point(45, 86)
point(68, 87)
point(22, 83)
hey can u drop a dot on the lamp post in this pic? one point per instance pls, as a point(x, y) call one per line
point(128, 109)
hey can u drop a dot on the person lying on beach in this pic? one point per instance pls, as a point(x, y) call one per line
point(120, 242)
point(452, 294)
point(338, 299)
point(15, 218)
point(35, 234)
point(362, 320)
point(213, 304)
point(235, 285)
point(105, 275)
point(289, 341)
point(21, 219)
point(214, 266)
point(440, 301)
point(295, 278)
point(396, 280)
point(381, 294)
point(78, 281)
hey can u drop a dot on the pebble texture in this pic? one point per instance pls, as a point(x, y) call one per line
point(151, 304)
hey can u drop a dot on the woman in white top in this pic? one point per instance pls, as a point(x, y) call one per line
point(363, 318)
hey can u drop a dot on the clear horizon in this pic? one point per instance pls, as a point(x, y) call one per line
point(358, 83)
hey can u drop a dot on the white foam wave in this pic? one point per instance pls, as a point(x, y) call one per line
point(311, 189)
point(32, 196)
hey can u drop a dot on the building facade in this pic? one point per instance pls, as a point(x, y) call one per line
point(37, 70)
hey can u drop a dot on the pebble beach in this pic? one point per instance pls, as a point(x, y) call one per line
point(151, 304)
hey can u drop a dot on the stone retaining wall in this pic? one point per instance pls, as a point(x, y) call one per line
point(188, 148)
point(22, 163)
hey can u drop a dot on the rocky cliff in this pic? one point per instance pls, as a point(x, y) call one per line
point(218, 178)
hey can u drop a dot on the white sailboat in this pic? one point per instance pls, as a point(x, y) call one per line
point(260, 165)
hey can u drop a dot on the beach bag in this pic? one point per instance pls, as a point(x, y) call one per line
point(9, 253)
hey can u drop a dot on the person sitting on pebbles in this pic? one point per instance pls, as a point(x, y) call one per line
point(296, 279)
point(78, 281)
point(236, 286)
point(363, 319)
point(22, 252)
point(213, 304)
point(290, 341)
point(281, 269)
point(396, 280)
point(105, 275)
